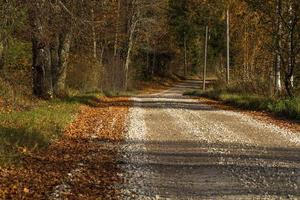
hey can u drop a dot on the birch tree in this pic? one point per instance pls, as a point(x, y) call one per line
point(139, 17)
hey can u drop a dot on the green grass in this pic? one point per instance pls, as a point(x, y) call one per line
point(36, 128)
point(288, 108)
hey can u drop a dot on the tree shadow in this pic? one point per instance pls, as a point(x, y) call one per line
point(85, 165)
point(202, 169)
point(158, 105)
point(146, 102)
point(15, 141)
point(23, 137)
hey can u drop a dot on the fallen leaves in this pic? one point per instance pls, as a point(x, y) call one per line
point(26, 190)
point(79, 159)
point(105, 121)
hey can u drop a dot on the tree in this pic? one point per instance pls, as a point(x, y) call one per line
point(278, 87)
point(41, 55)
point(228, 45)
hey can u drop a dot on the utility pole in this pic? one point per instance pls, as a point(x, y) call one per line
point(205, 58)
point(228, 48)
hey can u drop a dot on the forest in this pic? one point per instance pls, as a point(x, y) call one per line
point(65, 64)
point(54, 47)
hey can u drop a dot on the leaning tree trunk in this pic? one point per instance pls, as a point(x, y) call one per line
point(41, 56)
point(128, 57)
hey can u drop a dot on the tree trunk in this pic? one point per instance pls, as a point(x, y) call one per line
point(41, 56)
point(117, 29)
point(153, 64)
point(185, 55)
point(2, 61)
point(205, 58)
point(228, 49)
point(54, 50)
point(291, 53)
point(148, 75)
point(41, 69)
point(94, 37)
point(60, 70)
point(102, 53)
point(128, 57)
point(278, 87)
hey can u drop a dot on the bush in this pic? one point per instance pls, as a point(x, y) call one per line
point(287, 107)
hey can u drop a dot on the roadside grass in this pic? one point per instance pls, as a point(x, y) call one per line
point(288, 108)
point(24, 132)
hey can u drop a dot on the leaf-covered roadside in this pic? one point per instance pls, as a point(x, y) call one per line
point(77, 160)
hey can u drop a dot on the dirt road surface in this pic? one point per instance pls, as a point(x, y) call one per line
point(163, 146)
point(178, 147)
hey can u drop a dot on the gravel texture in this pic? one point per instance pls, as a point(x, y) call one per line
point(182, 148)
point(167, 116)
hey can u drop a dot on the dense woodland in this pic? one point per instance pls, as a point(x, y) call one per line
point(50, 48)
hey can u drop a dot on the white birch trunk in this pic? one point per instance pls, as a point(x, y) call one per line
point(130, 46)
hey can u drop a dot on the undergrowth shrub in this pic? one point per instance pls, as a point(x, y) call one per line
point(15, 76)
point(84, 74)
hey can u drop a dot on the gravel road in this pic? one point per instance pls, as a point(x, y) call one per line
point(181, 148)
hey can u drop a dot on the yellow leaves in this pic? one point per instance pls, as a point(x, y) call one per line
point(96, 120)
point(26, 190)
